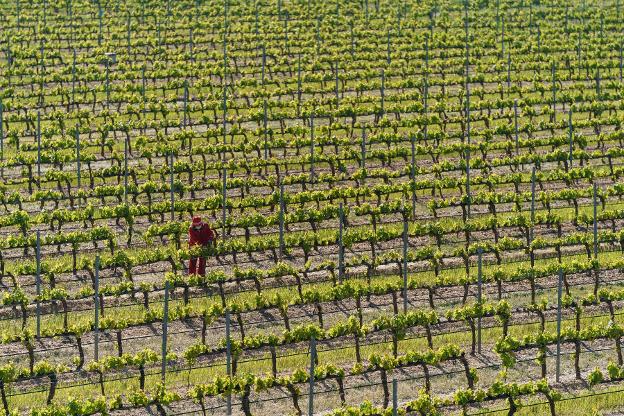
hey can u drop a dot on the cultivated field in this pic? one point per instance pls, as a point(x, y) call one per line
point(419, 203)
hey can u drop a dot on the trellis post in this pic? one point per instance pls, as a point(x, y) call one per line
point(516, 127)
point(96, 325)
point(171, 189)
point(38, 149)
point(1, 140)
point(281, 219)
point(571, 136)
point(74, 78)
point(559, 288)
point(224, 197)
point(228, 358)
point(38, 283)
point(312, 364)
point(554, 93)
point(395, 397)
point(405, 244)
point(532, 203)
point(312, 147)
point(595, 201)
point(126, 171)
point(165, 324)
point(383, 91)
point(413, 171)
point(340, 243)
point(78, 170)
point(479, 294)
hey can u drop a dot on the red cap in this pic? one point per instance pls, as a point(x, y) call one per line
point(197, 221)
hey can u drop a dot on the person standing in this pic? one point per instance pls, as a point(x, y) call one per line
point(200, 234)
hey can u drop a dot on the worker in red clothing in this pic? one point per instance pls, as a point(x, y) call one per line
point(200, 234)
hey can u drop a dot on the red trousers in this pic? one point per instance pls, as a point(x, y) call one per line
point(195, 268)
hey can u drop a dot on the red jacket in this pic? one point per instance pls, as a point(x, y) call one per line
point(201, 237)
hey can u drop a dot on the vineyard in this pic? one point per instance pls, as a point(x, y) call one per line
point(419, 207)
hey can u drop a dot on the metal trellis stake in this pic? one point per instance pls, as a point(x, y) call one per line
point(395, 398)
point(559, 287)
point(340, 243)
point(312, 147)
point(38, 148)
point(532, 204)
point(228, 363)
point(78, 171)
point(1, 139)
point(516, 127)
point(479, 294)
point(96, 326)
point(38, 283)
point(413, 171)
point(405, 244)
point(383, 91)
point(595, 201)
point(126, 171)
point(224, 197)
point(171, 189)
point(165, 323)
point(281, 219)
point(312, 364)
point(571, 136)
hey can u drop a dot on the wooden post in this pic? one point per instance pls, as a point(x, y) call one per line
point(96, 325)
point(165, 322)
point(312, 364)
point(558, 365)
point(38, 283)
